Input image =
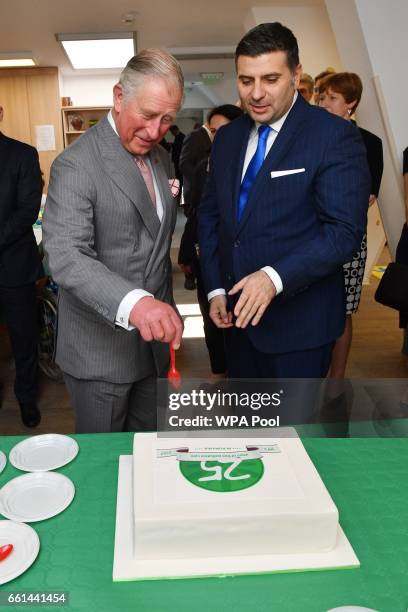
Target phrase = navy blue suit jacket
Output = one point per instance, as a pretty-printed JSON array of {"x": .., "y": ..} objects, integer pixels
[
  {"x": 20, "y": 199},
  {"x": 305, "y": 225}
]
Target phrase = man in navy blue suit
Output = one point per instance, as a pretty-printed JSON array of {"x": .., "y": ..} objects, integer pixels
[
  {"x": 20, "y": 265},
  {"x": 285, "y": 206}
]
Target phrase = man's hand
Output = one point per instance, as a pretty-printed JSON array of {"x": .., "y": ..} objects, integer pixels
[
  {"x": 257, "y": 293},
  {"x": 218, "y": 312},
  {"x": 156, "y": 320}
]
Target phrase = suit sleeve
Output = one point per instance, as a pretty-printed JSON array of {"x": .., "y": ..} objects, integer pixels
[
  {"x": 28, "y": 198},
  {"x": 69, "y": 241},
  {"x": 341, "y": 192},
  {"x": 187, "y": 252}
]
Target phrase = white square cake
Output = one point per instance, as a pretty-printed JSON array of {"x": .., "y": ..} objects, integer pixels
[{"x": 202, "y": 497}]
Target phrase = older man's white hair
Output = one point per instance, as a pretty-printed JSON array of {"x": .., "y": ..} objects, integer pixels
[{"x": 153, "y": 63}]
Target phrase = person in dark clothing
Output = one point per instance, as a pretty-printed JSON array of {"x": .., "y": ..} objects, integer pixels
[
  {"x": 214, "y": 337},
  {"x": 401, "y": 255},
  {"x": 196, "y": 147},
  {"x": 176, "y": 151},
  {"x": 20, "y": 198},
  {"x": 340, "y": 94}
]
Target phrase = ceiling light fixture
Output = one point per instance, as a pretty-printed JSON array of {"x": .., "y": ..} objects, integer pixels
[
  {"x": 129, "y": 17},
  {"x": 98, "y": 50},
  {"x": 16, "y": 59}
]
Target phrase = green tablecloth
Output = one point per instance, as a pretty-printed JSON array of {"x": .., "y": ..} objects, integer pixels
[{"x": 367, "y": 478}]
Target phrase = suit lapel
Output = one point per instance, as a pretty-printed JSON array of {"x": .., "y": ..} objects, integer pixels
[
  {"x": 162, "y": 182},
  {"x": 167, "y": 201},
  {"x": 285, "y": 140},
  {"x": 121, "y": 167}
]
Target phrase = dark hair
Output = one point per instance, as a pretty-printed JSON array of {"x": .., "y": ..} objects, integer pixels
[
  {"x": 348, "y": 84},
  {"x": 269, "y": 37},
  {"x": 229, "y": 111}
]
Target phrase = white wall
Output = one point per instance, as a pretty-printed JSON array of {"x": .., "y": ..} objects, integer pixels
[
  {"x": 96, "y": 90},
  {"x": 226, "y": 90},
  {"x": 357, "y": 25},
  {"x": 384, "y": 25},
  {"x": 89, "y": 90}
]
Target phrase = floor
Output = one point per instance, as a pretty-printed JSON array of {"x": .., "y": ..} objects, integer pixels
[{"x": 375, "y": 353}]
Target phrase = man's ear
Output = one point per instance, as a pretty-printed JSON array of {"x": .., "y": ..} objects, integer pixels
[
  {"x": 296, "y": 76},
  {"x": 117, "y": 97}
]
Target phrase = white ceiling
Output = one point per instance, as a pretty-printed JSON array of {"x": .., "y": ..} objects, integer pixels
[{"x": 31, "y": 25}]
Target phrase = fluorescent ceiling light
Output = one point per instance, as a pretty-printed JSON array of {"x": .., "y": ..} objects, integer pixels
[
  {"x": 17, "y": 59},
  {"x": 99, "y": 50}
]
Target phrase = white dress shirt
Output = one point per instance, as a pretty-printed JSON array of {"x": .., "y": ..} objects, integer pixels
[
  {"x": 131, "y": 298},
  {"x": 252, "y": 145}
]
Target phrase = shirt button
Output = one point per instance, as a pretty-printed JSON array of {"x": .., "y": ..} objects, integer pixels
[{"x": 236, "y": 243}]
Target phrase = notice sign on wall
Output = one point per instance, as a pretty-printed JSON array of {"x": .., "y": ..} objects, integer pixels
[{"x": 45, "y": 138}]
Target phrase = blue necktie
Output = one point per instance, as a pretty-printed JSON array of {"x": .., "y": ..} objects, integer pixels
[{"x": 253, "y": 168}]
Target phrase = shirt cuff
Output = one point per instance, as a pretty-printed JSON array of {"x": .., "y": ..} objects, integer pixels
[
  {"x": 275, "y": 278},
  {"x": 215, "y": 292},
  {"x": 126, "y": 305}
]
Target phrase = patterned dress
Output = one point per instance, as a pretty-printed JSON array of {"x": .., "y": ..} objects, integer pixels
[
  {"x": 353, "y": 277},
  {"x": 354, "y": 269}
]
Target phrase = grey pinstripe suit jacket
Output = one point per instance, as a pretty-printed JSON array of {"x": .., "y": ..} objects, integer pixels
[{"x": 102, "y": 239}]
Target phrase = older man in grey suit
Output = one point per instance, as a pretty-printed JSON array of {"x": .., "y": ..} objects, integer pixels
[{"x": 107, "y": 228}]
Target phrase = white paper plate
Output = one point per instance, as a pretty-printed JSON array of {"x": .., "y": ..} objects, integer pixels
[
  {"x": 26, "y": 546},
  {"x": 351, "y": 609},
  {"x": 36, "y": 497},
  {"x": 3, "y": 461},
  {"x": 43, "y": 453}
]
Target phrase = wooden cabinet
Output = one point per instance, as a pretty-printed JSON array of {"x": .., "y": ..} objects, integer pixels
[
  {"x": 30, "y": 98},
  {"x": 77, "y": 119}
]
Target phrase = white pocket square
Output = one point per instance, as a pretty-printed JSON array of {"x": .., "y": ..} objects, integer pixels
[{"x": 277, "y": 173}]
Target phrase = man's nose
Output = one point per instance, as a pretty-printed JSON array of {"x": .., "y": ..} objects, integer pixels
[
  {"x": 152, "y": 128},
  {"x": 258, "y": 91}
]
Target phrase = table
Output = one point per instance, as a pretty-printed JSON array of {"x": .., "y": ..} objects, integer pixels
[{"x": 367, "y": 478}]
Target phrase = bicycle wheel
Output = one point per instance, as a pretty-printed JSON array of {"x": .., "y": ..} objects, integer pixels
[{"x": 47, "y": 325}]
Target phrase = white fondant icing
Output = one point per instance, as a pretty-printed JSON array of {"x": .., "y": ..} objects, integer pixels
[{"x": 288, "y": 510}]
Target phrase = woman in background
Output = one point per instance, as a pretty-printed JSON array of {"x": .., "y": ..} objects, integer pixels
[
  {"x": 317, "y": 80},
  {"x": 340, "y": 94},
  {"x": 401, "y": 255}
]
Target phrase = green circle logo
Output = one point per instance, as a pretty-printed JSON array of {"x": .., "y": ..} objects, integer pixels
[{"x": 223, "y": 477}]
